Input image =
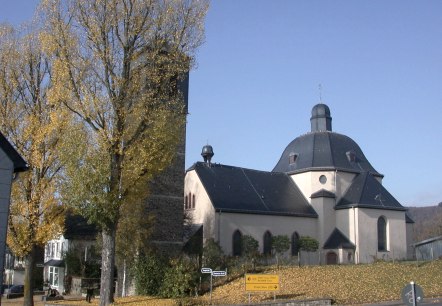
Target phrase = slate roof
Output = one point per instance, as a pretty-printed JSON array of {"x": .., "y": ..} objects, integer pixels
[
  {"x": 54, "y": 263},
  {"x": 77, "y": 226},
  {"x": 338, "y": 240},
  {"x": 19, "y": 163},
  {"x": 367, "y": 192},
  {"x": 324, "y": 150},
  {"x": 240, "y": 190},
  {"x": 408, "y": 218}
]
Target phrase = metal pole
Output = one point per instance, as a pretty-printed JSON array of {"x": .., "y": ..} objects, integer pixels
[
  {"x": 211, "y": 288},
  {"x": 413, "y": 293}
]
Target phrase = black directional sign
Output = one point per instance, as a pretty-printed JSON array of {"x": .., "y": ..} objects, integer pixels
[{"x": 412, "y": 294}]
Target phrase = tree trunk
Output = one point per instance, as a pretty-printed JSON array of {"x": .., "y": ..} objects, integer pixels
[
  {"x": 29, "y": 278},
  {"x": 107, "y": 267}
]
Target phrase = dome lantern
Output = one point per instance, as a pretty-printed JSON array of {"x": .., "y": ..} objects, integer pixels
[{"x": 321, "y": 118}]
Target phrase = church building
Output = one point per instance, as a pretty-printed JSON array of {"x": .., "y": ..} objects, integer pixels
[{"x": 323, "y": 186}]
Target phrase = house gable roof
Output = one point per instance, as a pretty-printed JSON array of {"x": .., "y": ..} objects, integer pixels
[
  {"x": 367, "y": 192},
  {"x": 19, "y": 163},
  {"x": 240, "y": 190},
  {"x": 54, "y": 263},
  {"x": 338, "y": 240},
  {"x": 77, "y": 226}
]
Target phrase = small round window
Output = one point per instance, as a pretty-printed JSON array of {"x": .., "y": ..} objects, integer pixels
[{"x": 323, "y": 179}]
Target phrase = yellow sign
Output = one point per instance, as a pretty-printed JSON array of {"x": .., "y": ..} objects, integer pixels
[
  {"x": 262, "y": 282},
  {"x": 262, "y": 287}
]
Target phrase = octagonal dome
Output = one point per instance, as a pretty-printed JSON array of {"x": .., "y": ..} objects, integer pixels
[{"x": 322, "y": 149}]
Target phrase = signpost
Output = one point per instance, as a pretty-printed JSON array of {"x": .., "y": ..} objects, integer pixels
[
  {"x": 213, "y": 273},
  {"x": 219, "y": 273},
  {"x": 412, "y": 294},
  {"x": 262, "y": 282}
]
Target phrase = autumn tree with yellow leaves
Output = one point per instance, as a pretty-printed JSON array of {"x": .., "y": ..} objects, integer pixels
[
  {"x": 36, "y": 129},
  {"x": 117, "y": 65}
]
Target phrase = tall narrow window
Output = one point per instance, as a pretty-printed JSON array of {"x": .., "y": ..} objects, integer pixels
[
  {"x": 267, "y": 243},
  {"x": 295, "y": 244},
  {"x": 186, "y": 202},
  {"x": 193, "y": 201},
  {"x": 236, "y": 241},
  {"x": 382, "y": 234}
]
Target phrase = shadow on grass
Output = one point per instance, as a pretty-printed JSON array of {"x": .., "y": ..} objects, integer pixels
[
  {"x": 134, "y": 299},
  {"x": 288, "y": 296}
]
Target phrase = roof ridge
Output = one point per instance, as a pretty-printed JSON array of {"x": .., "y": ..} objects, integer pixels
[{"x": 254, "y": 189}]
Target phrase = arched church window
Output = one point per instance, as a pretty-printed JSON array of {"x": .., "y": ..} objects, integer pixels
[
  {"x": 267, "y": 243},
  {"x": 190, "y": 201},
  {"x": 193, "y": 201},
  {"x": 236, "y": 243},
  {"x": 186, "y": 202},
  {"x": 382, "y": 234},
  {"x": 295, "y": 244}
]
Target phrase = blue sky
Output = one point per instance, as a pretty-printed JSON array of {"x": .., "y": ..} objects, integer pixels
[{"x": 379, "y": 63}]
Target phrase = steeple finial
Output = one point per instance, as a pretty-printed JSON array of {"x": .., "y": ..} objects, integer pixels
[{"x": 207, "y": 154}]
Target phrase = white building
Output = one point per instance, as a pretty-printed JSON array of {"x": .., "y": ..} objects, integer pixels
[
  {"x": 323, "y": 187},
  {"x": 79, "y": 236}
]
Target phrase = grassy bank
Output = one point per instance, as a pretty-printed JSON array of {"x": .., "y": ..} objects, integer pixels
[{"x": 351, "y": 284}]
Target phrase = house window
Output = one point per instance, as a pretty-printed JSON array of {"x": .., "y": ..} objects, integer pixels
[
  {"x": 382, "y": 234},
  {"x": 267, "y": 243},
  {"x": 193, "y": 201},
  {"x": 53, "y": 276},
  {"x": 237, "y": 241},
  {"x": 186, "y": 202},
  {"x": 295, "y": 244}
]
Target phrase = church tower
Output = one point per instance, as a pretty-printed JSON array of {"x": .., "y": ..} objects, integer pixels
[{"x": 165, "y": 202}]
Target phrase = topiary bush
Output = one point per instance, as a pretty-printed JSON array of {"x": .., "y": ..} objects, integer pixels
[
  {"x": 213, "y": 256},
  {"x": 148, "y": 273},
  {"x": 179, "y": 279}
]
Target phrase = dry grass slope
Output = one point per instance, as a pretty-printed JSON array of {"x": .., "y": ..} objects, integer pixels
[{"x": 352, "y": 284}]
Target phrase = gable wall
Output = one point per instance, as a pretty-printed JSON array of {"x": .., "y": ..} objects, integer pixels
[
  {"x": 396, "y": 234},
  {"x": 204, "y": 213},
  {"x": 324, "y": 207},
  {"x": 337, "y": 182},
  {"x": 303, "y": 181}
]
